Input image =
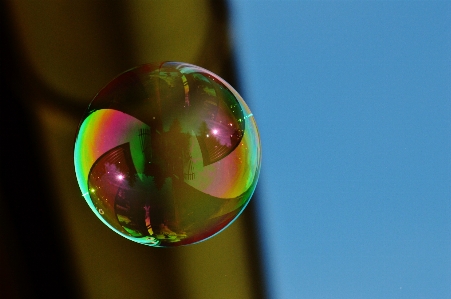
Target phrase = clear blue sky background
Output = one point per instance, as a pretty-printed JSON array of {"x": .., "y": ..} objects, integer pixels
[{"x": 353, "y": 102}]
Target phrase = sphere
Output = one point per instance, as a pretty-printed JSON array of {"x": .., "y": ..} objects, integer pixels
[{"x": 167, "y": 154}]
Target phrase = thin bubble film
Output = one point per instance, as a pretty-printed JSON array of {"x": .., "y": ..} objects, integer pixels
[{"x": 167, "y": 154}]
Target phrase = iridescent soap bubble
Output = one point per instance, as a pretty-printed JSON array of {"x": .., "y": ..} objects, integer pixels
[{"x": 167, "y": 154}]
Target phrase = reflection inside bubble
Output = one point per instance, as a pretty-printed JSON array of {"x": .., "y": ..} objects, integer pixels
[{"x": 167, "y": 154}]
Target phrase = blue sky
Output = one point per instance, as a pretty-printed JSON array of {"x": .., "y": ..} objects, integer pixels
[{"x": 353, "y": 103}]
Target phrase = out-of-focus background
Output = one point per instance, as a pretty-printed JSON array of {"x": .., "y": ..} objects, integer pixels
[
  {"x": 56, "y": 55},
  {"x": 353, "y": 102}
]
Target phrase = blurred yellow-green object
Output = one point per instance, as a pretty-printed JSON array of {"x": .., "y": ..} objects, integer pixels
[{"x": 62, "y": 53}]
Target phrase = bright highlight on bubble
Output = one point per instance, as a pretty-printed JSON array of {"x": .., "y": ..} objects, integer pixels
[{"x": 167, "y": 154}]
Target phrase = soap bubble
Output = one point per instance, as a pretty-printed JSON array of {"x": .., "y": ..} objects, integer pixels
[{"x": 167, "y": 154}]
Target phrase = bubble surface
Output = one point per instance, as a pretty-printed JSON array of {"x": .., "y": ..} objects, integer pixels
[{"x": 167, "y": 154}]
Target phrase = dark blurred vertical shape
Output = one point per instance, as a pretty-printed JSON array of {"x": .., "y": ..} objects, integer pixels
[
  {"x": 58, "y": 248},
  {"x": 35, "y": 255},
  {"x": 229, "y": 72}
]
